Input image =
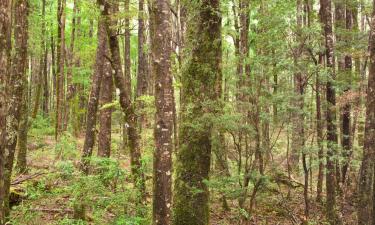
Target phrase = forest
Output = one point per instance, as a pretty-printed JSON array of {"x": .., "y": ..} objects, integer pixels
[{"x": 187, "y": 112}]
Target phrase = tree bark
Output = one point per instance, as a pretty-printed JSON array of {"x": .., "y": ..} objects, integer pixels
[
  {"x": 60, "y": 76},
  {"x": 339, "y": 29},
  {"x": 21, "y": 166},
  {"x": 125, "y": 101},
  {"x": 70, "y": 61},
  {"x": 45, "y": 62},
  {"x": 346, "y": 110},
  {"x": 319, "y": 132},
  {"x": 365, "y": 207},
  {"x": 199, "y": 81},
  {"x": 94, "y": 96},
  {"x": 298, "y": 119},
  {"x": 161, "y": 71},
  {"x": 143, "y": 72},
  {"x": 127, "y": 65},
  {"x": 15, "y": 84},
  {"x": 105, "y": 114},
  {"x": 5, "y": 49},
  {"x": 326, "y": 16}
]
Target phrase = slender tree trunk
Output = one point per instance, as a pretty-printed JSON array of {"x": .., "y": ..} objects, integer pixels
[
  {"x": 202, "y": 73},
  {"x": 345, "y": 121},
  {"x": 365, "y": 205},
  {"x": 94, "y": 96},
  {"x": 127, "y": 65},
  {"x": 54, "y": 72},
  {"x": 5, "y": 49},
  {"x": 38, "y": 91},
  {"x": 161, "y": 71},
  {"x": 15, "y": 85},
  {"x": 45, "y": 62},
  {"x": 326, "y": 15},
  {"x": 298, "y": 119},
  {"x": 69, "y": 76},
  {"x": 142, "y": 75},
  {"x": 60, "y": 76},
  {"x": 346, "y": 110},
  {"x": 319, "y": 133}
]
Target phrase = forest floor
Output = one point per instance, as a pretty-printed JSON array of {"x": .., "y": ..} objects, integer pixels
[{"x": 53, "y": 192}]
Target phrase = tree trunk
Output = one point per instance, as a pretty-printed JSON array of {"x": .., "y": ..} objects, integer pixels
[
  {"x": 142, "y": 75},
  {"x": 69, "y": 76},
  {"x": 319, "y": 133},
  {"x": 161, "y": 71},
  {"x": 365, "y": 207},
  {"x": 127, "y": 65},
  {"x": 94, "y": 96},
  {"x": 5, "y": 50},
  {"x": 60, "y": 76},
  {"x": 339, "y": 29},
  {"x": 346, "y": 110},
  {"x": 125, "y": 101},
  {"x": 45, "y": 62},
  {"x": 199, "y": 81},
  {"x": 15, "y": 85},
  {"x": 298, "y": 119},
  {"x": 326, "y": 16},
  {"x": 105, "y": 114},
  {"x": 22, "y": 136}
]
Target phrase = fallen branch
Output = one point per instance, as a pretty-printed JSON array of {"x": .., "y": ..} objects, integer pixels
[
  {"x": 25, "y": 178},
  {"x": 53, "y": 210}
]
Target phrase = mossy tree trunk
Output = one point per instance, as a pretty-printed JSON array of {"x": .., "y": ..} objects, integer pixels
[{"x": 200, "y": 78}]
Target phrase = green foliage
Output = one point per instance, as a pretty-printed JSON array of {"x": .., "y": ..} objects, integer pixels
[
  {"x": 40, "y": 127},
  {"x": 66, "y": 147}
]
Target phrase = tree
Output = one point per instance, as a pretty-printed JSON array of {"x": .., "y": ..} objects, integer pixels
[
  {"x": 5, "y": 49},
  {"x": 94, "y": 96},
  {"x": 161, "y": 70},
  {"x": 199, "y": 80},
  {"x": 60, "y": 68},
  {"x": 365, "y": 202},
  {"x": 125, "y": 100},
  {"x": 22, "y": 136},
  {"x": 143, "y": 70},
  {"x": 346, "y": 111},
  {"x": 15, "y": 84},
  {"x": 105, "y": 113},
  {"x": 326, "y": 17}
]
